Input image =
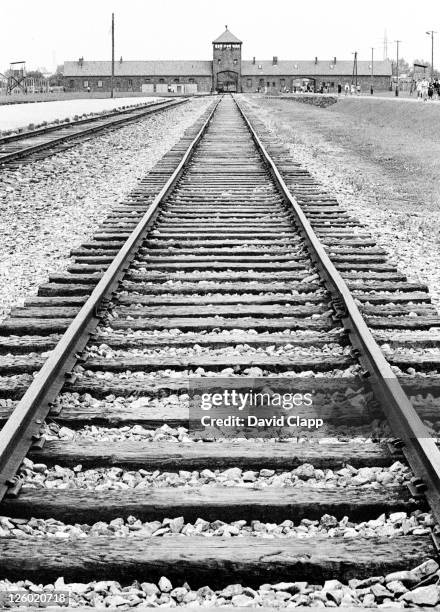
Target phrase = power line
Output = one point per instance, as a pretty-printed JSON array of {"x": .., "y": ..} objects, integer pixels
[
  {"x": 397, "y": 66},
  {"x": 112, "y": 83},
  {"x": 431, "y": 34}
]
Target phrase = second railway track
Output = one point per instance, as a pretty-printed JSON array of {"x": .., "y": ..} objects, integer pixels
[
  {"x": 51, "y": 139},
  {"x": 221, "y": 275}
]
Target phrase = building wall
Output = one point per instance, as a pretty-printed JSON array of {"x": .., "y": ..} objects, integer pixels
[
  {"x": 279, "y": 83},
  {"x": 204, "y": 83}
]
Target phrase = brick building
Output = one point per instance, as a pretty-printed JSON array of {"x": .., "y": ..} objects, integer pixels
[{"x": 225, "y": 72}]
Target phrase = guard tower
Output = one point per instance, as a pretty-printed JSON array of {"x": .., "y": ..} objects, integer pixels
[
  {"x": 226, "y": 65},
  {"x": 17, "y": 78}
]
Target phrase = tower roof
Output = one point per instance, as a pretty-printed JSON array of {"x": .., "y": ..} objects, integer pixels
[{"x": 226, "y": 37}]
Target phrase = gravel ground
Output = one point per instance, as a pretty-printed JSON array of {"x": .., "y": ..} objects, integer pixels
[
  {"x": 397, "y": 523},
  {"x": 252, "y": 372},
  {"x": 39, "y": 475},
  {"x": 370, "y": 431},
  {"x": 406, "y": 234},
  {"x": 50, "y": 206},
  {"x": 286, "y": 350},
  {"x": 399, "y": 589},
  {"x": 221, "y": 334},
  {"x": 21, "y": 115}
]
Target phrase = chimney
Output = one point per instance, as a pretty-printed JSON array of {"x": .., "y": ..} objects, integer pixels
[
  {"x": 274, "y": 60},
  {"x": 253, "y": 60},
  {"x": 316, "y": 59},
  {"x": 120, "y": 60},
  {"x": 80, "y": 61},
  {"x": 334, "y": 60}
]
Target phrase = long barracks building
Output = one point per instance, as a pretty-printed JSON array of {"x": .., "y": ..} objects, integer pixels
[{"x": 225, "y": 72}]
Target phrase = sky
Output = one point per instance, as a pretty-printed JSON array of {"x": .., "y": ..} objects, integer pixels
[{"x": 45, "y": 33}]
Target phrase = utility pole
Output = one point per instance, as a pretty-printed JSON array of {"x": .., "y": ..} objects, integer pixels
[
  {"x": 372, "y": 71},
  {"x": 354, "y": 77},
  {"x": 397, "y": 66},
  {"x": 431, "y": 34},
  {"x": 112, "y": 82}
]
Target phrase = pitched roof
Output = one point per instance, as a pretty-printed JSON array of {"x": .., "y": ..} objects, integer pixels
[
  {"x": 309, "y": 68},
  {"x": 139, "y": 68},
  {"x": 226, "y": 37},
  {"x": 204, "y": 68}
]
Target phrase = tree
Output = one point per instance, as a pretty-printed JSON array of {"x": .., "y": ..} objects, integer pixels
[
  {"x": 57, "y": 77},
  {"x": 34, "y": 74},
  {"x": 404, "y": 66}
]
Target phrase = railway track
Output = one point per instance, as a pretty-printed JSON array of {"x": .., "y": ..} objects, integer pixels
[
  {"x": 54, "y": 138},
  {"x": 227, "y": 261}
]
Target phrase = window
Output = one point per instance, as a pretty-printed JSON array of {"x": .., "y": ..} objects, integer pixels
[
  {"x": 260, "y": 66},
  {"x": 191, "y": 81},
  {"x": 282, "y": 82},
  {"x": 249, "y": 83},
  {"x": 130, "y": 82},
  {"x": 273, "y": 83},
  {"x": 99, "y": 83},
  {"x": 176, "y": 80},
  {"x": 85, "y": 84},
  {"x": 161, "y": 80},
  {"x": 71, "y": 83},
  {"x": 219, "y": 60}
]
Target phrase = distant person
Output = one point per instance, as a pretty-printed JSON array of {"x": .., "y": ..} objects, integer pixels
[
  {"x": 425, "y": 86},
  {"x": 339, "y": 89},
  {"x": 358, "y": 90},
  {"x": 347, "y": 89},
  {"x": 352, "y": 89},
  {"x": 88, "y": 89},
  {"x": 430, "y": 91}
]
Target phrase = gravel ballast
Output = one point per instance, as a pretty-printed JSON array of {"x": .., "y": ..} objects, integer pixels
[
  {"x": 50, "y": 206},
  {"x": 39, "y": 475},
  {"x": 397, "y": 523},
  {"x": 404, "y": 589}
]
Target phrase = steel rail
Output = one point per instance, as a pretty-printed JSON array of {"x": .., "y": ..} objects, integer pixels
[
  {"x": 22, "y": 428},
  {"x": 25, "y": 151},
  {"x": 59, "y": 126},
  {"x": 417, "y": 445}
]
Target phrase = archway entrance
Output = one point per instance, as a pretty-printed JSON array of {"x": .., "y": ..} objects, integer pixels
[{"x": 227, "y": 80}]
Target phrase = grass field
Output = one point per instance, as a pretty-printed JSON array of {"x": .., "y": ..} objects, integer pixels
[
  {"x": 382, "y": 161},
  {"x": 393, "y": 146}
]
